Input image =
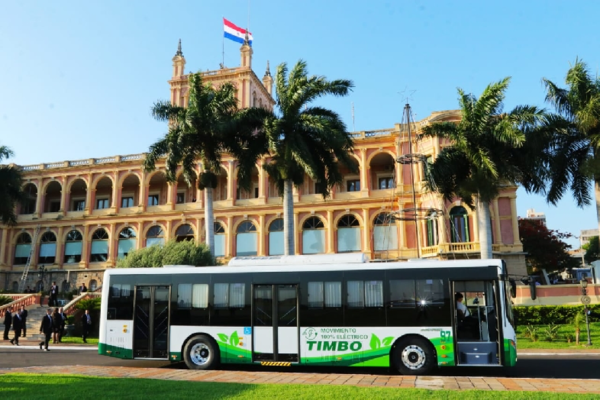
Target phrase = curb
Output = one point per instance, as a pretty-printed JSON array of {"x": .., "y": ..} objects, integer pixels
[{"x": 52, "y": 348}]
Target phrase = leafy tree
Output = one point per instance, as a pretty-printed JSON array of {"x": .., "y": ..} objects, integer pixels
[
  {"x": 92, "y": 304},
  {"x": 210, "y": 125},
  {"x": 592, "y": 250},
  {"x": 571, "y": 154},
  {"x": 11, "y": 188},
  {"x": 172, "y": 253},
  {"x": 485, "y": 153},
  {"x": 545, "y": 247},
  {"x": 304, "y": 139}
]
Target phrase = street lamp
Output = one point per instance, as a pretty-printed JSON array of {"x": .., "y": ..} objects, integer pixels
[{"x": 586, "y": 300}]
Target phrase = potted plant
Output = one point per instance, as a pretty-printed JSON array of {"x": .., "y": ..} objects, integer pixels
[{"x": 70, "y": 325}]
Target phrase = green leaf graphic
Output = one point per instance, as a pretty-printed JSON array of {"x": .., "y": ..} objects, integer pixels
[
  {"x": 388, "y": 341},
  {"x": 223, "y": 337},
  {"x": 375, "y": 342},
  {"x": 234, "y": 340}
]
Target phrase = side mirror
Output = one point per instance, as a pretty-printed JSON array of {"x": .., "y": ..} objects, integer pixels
[{"x": 513, "y": 288}]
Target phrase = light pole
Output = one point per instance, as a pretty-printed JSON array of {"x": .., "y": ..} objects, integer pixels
[
  {"x": 41, "y": 272},
  {"x": 585, "y": 299}
]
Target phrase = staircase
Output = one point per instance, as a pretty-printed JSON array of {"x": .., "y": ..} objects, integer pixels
[{"x": 35, "y": 313}]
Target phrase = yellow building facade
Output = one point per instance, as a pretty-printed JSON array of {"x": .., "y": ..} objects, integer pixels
[{"x": 82, "y": 216}]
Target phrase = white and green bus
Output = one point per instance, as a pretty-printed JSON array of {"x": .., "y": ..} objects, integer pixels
[{"x": 336, "y": 310}]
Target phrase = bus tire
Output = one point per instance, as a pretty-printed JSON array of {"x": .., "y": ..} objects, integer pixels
[
  {"x": 414, "y": 356},
  {"x": 201, "y": 352}
]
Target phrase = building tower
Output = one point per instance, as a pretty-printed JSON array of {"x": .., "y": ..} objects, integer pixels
[{"x": 268, "y": 80}]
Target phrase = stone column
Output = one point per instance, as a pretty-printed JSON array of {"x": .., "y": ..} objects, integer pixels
[
  {"x": 39, "y": 201},
  {"x": 513, "y": 219},
  {"x": 60, "y": 247},
  {"x": 230, "y": 237},
  {"x": 496, "y": 227},
  {"x": 330, "y": 236},
  {"x": 261, "y": 235},
  {"x": 366, "y": 233}
]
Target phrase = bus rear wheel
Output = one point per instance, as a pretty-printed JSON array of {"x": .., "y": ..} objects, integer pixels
[
  {"x": 201, "y": 352},
  {"x": 414, "y": 356}
]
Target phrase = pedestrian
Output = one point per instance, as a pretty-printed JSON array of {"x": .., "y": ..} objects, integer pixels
[
  {"x": 7, "y": 322},
  {"x": 46, "y": 328},
  {"x": 17, "y": 325},
  {"x": 53, "y": 302},
  {"x": 82, "y": 288},
  {"x": 63, "y": 322},
  {"x": 56, "y": 325},
  {"x": 86, "y": 325},
  {"x": 24, "y": 314},
  {"x": 28, "y": 290}
]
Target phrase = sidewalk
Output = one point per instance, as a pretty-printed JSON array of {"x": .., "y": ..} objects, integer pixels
[{"x": 260, "y": 377}]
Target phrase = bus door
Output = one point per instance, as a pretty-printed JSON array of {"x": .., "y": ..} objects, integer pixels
[
  {"x": 275, "y": 323},
  {"x": 477, "y": 331},
  {"x": 151, "y": 322}
]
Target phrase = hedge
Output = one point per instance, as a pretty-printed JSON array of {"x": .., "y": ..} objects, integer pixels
[{"x": 544, "y": 315}]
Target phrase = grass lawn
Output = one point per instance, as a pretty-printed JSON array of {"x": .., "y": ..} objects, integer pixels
[
  {"x": 523, "y": 342},
  {"x": 79, "y": 340},
  {"x": 36, "y": 386}
]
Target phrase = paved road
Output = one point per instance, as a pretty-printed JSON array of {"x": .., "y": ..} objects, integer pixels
[{"x": 582, "y": 366}]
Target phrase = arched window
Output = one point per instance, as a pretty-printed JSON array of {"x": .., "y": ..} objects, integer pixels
[
  {"x": 154, "y": 236},
  {"x": 22, "y": 249},
  {"x": 385, "y": 233},
  {"x": 126, "y": 242},
  {"x": 219, "y": 240},
  {"x": 47, "y": 248},
  {"x": 99, "y": 251},
  {"x": 93, "y": 285},
  {"x": 313, "y": 236},
  {"x": 348, "y": 234},
  {"x": 432, "y": 229},
  {"x": 73, "y": 247},
  {"x": 65, "y": 287},
  {"x": 459, "y": 225},
  {"x": 276, "y": 237},
  {"x": 184, "y": 232},
  {"x": 246, "y": 244},
  {"x": 15, "y": 287}
]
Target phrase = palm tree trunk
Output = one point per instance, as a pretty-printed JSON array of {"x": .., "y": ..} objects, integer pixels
[
  {"x": 597, "y": 195},
  {"x": 209, "y": 220},
  {"x": 288, "y": 218},
  {"x": 485, "y": 228}
]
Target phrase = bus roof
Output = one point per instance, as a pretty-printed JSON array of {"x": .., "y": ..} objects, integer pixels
[{"x": 309, "y": 267}]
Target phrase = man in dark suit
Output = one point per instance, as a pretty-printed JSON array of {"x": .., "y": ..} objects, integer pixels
[
  {"x": 63, "y": 322},
  {"x": 53, "y": 295},
  {"x": 86, "y": 325},
  {"x": 24, "y": 314},
  {"x": 17, "y": 325},
  {"x": 46, "y": 328},
  {"x": 7, "y": 322}
]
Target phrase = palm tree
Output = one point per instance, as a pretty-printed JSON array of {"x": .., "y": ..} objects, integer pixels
[
  {"x": 483, "y": 155},
  {"x": 210, "y": 125},
  {"x": 304, "y": 139},
  {"x": 11, "y": 188},
  {"x": 573, "y": 137}
]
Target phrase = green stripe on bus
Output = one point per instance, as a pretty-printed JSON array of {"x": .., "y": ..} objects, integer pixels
[{"x": 114, "y": 351}]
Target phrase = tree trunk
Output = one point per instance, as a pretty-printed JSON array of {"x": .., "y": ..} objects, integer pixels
[
  {"x": 485, "y": 228},
  {"x": 577, "y": 333},
  {"x": 597, "y": 195},
  {"x": 209, "y": 220},
  {"x": 288, "y": 218}
]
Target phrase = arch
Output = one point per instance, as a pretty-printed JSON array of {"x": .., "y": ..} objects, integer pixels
[
  {"x": 459, "y": 225},
  {"x": 348, "y": 234},
  {"x": 130, "y": 187},
  {"x": 220, "y": 239},
  {"x": 246, "y": 239},
  {"x": 158, "y": 189},
  {"x": 77, "y": 195},
  {"x": 126, "y": 175},
  {"x": 313, "y": 235},
  {"x": 152, "y": 174},
  {"x": 374, "y": 154},
  {"x": 355, "y": 215},
  {"x": 155, "y": 235},
  {"x": 47, "y": 252},
  {"x": 220, "y": 192},
  {"x": 70, "y": 183},
  {"x": 73, "y": 245},
  {"x": 382, "y": 170},
  {"x": 254, "y": 184},
  {"x": 15, "y": 287},
  {"x": 100, "y": 245},
  {"x": 52, "y": 197},
  {"x": 104, "y": 188},
  {"x": 185, "y": 193},
  {"x": 432, "y": 229},
  {"x": 22, "y": 248},
  {"x": 127, "y": 241},
  {"x": 93, "y": 285},
  {"x": 352, "y": 181},
  {"x": 31, "y": 194},
  {"x": 385, "y": 233},
  {"x": 185, "y": 232},
  {"x": 100, "y": 177}
]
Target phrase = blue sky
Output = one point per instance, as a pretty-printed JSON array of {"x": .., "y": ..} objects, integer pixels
[{"x": 78, "y": 79}]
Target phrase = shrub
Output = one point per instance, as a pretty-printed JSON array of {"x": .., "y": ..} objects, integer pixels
[
  {"x": 551, "y": 332},
  {"x": 543, "y": 315},
  {"x": 172, "y": 253},
  {"x": 531, "y": 333},
  {"x": 89, "y": 304},
  {"x": 5, "y": 300}
]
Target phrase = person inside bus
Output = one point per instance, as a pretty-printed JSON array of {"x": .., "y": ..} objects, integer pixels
[{"x": 467, "y": 326}]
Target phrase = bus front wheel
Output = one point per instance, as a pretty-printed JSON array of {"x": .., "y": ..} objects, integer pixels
[
  {"x": 414, "y": 356},
  {"x": 201, "y": 352}
]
